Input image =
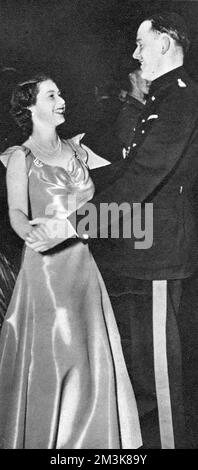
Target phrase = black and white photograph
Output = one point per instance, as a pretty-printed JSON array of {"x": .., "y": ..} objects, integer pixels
[{"x": 99, "y": 229}]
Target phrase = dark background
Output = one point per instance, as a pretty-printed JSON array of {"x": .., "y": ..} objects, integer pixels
[{"x": 81, "y": 42}]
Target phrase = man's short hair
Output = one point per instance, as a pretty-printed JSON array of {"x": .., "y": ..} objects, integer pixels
[{"x": 172, "y": 24}]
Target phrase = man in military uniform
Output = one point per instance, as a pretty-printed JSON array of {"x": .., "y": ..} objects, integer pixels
[
  {"x": 131, "y": 109},
  {"x": 146, "y": 285}
]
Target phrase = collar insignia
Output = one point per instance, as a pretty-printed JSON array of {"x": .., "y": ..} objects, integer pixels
[{"x": 181, "y": 83}]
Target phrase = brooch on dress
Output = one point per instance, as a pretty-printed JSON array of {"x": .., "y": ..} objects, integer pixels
[{"x": 37, "y": 162}]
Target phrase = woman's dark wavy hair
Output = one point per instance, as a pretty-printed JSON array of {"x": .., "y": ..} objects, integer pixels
[
  {"x": 172, "y": 24},
  {"x": 24, "y": 96}
]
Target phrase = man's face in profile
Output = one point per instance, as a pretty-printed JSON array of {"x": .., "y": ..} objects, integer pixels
[{"x": 148, "y": 51}]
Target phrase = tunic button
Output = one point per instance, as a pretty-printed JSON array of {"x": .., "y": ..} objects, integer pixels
[
  {"x": 153, "y": 98},
  {"x": 143, "y": 120},
  {"x": 143, "y": 132}
]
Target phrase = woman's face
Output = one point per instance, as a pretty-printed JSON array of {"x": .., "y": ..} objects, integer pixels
[{"x": 50, "y": 106}]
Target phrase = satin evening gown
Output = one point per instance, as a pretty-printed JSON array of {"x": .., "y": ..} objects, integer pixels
[{"x": 63, "y": 379}]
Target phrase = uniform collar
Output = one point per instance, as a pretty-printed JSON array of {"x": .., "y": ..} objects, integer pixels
[
  {"x": 131, "y": 100},
  {"x": 167, "y": 79}
]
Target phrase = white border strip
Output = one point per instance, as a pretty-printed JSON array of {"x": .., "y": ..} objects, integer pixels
[{"x": 160, "y": 364}]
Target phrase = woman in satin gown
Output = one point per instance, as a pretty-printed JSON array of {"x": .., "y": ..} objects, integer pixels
[
  {"x": 63, "y": 380},
  {"x": 10, "y": 251}
]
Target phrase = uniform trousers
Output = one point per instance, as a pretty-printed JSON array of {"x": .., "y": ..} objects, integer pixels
[{"x": 160, "y": 345}]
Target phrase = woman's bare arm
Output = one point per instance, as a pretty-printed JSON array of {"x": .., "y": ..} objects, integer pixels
[{"x": 17, "y": 187}]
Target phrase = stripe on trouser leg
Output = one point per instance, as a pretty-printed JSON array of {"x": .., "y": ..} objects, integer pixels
[{"x": 161, "y": 365}]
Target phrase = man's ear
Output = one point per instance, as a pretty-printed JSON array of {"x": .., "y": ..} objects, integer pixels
[
  {"x": 31, "y": 109},
  {"x": 165, "y": 43},
  {"x": 132, "y": 79}
]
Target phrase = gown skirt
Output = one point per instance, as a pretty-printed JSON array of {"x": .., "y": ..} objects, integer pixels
[{"x": 63, "y": 379}]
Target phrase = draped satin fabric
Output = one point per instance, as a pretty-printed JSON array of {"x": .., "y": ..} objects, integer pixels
[
  {"x": 7, "y": 281},
  {"x": 63, "y": 380}
]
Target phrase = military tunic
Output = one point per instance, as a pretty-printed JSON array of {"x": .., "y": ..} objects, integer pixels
[{"x": 146, "y": 285}]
